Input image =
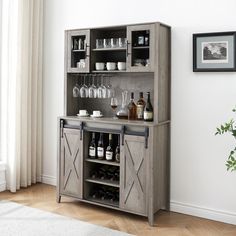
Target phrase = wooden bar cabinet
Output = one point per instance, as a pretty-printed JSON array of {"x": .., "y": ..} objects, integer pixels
[{"x": 143, "y": 184}]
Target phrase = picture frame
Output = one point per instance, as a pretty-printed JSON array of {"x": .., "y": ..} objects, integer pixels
[{"x": 214, "y": 52}]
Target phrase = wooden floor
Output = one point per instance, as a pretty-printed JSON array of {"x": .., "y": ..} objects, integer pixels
[{"x": 43, "y": 197}]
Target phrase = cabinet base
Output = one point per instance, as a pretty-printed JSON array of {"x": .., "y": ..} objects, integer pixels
[{"x": 113, "y": 207}]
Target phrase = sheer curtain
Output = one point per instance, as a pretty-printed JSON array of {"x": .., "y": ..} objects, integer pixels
[{"x": 21, "y": 91}]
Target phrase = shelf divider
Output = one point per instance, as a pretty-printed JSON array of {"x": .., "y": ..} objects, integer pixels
[
  {"x": 111, "y": 183},
  {"x": 108, "y": 49},
  {"x": 112, "y": 163},
  {"x": 103, "y": 202}
]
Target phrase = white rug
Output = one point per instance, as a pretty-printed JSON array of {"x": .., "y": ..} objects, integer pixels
[{"x": 19, "y": 220}]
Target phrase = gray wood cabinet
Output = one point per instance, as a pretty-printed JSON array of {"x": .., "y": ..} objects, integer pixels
[
  {"x": 144, "y": 171},
  {"x": 143, "y": 183},
  {"x": 133, "y": 177},
  {"x": 138, "y": 58},
  {"x": 71, "y": 163}
]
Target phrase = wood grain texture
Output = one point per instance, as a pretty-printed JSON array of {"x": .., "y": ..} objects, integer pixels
[
  {"x": 71, "y": 172},
  {"x": 42, "y": 197},
  {"x": 133, "y": 174},
  {"x": 161, "y": 160},
  {"x": 164, "y": 74}
]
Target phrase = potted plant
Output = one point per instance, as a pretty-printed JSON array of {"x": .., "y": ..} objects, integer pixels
[{"x": 229, "y": 127}]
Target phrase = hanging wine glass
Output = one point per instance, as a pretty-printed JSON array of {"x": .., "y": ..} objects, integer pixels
[
  {"x": 83, "y": 89},
  {"x": 92, "y": 90},
  {"x": 100, "y": 89},
  {"x": 104, "y": 89},
  {"x": 86, "y": 77},
  {"x": 75, "y": 90},
  {"x": 110, "y": 90}
]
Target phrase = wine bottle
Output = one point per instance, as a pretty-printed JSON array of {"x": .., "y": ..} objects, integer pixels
[
  {"x": 140, "y": 106},
  {"x": 117, "y": 152},
  {"x": 148, "y": 110},
  {"x": 94, "y": 174},
  {"x": 100, "y": 148},
  {"x": 92, "y": 147},
  {"x": 109, "y": 150},
  {"x": 132, "y": 108},
  {"x": 112, "y": 173}
]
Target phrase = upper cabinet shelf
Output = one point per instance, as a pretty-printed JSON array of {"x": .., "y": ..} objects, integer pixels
[
  {"x": 141, "y": 47},
  {"x": 108, "y": 49},
  {"x": 133, "y": 45}
]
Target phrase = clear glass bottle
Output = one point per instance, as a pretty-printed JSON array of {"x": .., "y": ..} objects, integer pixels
[{"x": 123, "y": 112}]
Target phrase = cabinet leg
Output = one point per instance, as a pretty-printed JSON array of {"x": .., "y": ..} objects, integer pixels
[
  {"x": 151, "y": 219},
  {"x": 58, "y": 198}
]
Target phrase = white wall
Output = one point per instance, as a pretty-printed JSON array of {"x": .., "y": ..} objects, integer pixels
[{"x": 200, "y": 184}]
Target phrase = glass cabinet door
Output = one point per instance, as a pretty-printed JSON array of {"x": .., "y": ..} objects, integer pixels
[
  {"x": 78, "y": 48},
  {"x": 140, "y": 50}
]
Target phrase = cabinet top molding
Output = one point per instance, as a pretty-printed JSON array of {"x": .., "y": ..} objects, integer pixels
[{"x": 119, "y": 26}]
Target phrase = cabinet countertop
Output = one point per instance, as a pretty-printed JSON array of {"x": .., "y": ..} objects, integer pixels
[{"x": 109, "y": 120}]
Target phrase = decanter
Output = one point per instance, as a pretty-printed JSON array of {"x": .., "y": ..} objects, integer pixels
[{"x": 123, "y": 112}]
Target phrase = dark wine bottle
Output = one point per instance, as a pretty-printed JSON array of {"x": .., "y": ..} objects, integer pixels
[
  {"x": 140, "y": 106},
  {"x": 94, "y": 174},
  {"x": 92, "y": 147},
  {"x": 100, "y": 148},
  {"x": 148, "y": 110},
  {"x": 109, "y": 150},
  {"x": 132, "y": 108},
  {"x": 111, "y": 173},
  {"x": 102, "y": 172},
  {"x": 117, "y": 152}
]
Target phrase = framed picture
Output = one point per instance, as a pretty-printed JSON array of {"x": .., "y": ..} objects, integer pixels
[{"x": 214, "y": 52}]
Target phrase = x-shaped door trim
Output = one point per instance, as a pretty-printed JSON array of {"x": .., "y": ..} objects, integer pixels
[
  {"x": 135, "y": 180},
  {"x": 71, "y": 158}
]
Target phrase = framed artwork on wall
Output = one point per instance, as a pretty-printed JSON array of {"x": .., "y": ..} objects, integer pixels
[{"x": 214, "y": 52}]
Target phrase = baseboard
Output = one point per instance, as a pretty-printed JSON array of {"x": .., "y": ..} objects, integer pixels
[
  {"x": 212, "y": 214},
  {"x": 47, "y": 179},
  {"x": 2, "y": 186},
  {"x": 188, "y": 209}
]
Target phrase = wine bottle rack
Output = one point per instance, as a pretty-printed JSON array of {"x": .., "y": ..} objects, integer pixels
[{"x": 101, "y": 173}]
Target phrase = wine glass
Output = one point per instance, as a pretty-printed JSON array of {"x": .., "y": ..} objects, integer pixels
[
  {"x": 92, "y": 89},
  {"x": 100, "y": 90},
  {"x": 76, "y": 91},
  {"x": 110, "y": 90},
  {"x": 104, "y": 89},
  {"x": 84, "y": 89},
  {"x": 114, "y": 104}
]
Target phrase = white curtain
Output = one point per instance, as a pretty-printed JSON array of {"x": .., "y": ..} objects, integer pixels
[{"x": 21, "y": 91}]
